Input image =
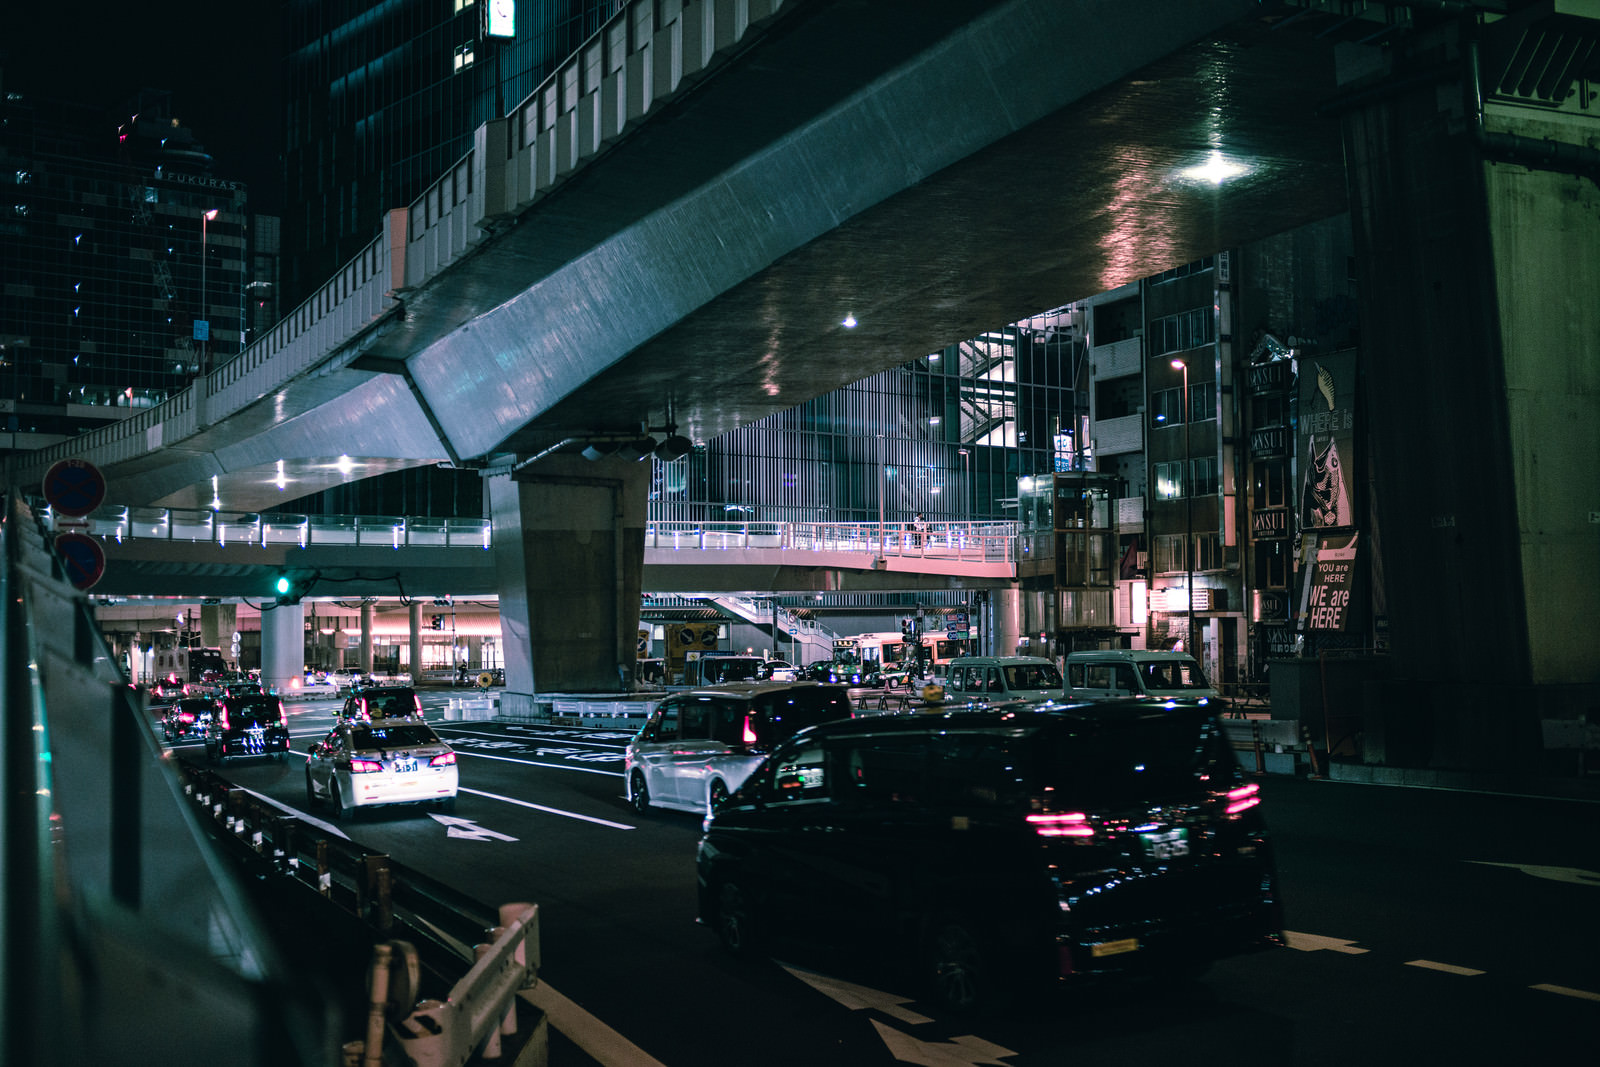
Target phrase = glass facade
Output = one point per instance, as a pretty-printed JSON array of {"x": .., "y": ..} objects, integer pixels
[
  {"x": 122, "y": 263},
  {"x": 381, "y": 99}
]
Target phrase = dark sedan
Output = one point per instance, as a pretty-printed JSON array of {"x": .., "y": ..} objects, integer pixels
[{"x": 249, "y": 725}]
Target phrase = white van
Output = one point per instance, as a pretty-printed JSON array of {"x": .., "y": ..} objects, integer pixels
[
  {"x": 1109, "y": 674},
  {"x": 995, "y": 678}
]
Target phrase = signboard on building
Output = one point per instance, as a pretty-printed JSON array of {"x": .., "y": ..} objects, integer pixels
[
  {"x": 1329, "y": 584},
  {"x": 1269, "y": 524},
  {"x": 1269, "y": 441},
  {"x": 1327, "y": 442},
  {"x": 1270, "y": 377}
]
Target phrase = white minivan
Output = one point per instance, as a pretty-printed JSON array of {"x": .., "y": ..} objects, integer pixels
[
  {"x": 1110, "y": 674},
  {"x": 990, "y": 679},
  {"x": 699, "y": 746}
]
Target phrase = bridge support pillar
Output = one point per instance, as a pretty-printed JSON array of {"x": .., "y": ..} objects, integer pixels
[
  {"x": 1007, "y": 620},
  {"x": 367, "y": 611},
  {"x": 414, "y": 635},
  {"x": 283, "y": 645},
  {"x": 569, "y": 552},
  {"x": 217, "y": 625},
  {"x": 1475, "y": 217}
]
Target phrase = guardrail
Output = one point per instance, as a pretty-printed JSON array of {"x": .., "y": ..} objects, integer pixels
[
  {"x": 107, "y": 876},
  {"x": 444, "y": 970}
]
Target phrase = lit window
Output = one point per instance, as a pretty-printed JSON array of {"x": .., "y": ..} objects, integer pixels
[{"x": 464, "y": 56}]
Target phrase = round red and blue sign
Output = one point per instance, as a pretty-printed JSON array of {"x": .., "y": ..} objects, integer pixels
[
  {"x": 74, "y": 487},
  {"x": 82, "y": 559}
]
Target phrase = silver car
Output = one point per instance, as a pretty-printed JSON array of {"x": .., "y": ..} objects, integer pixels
[
  {"x": 387, "y": 761},
  {"x": 699, "y": 746}
]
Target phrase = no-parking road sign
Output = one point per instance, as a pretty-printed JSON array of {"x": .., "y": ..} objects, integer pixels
[
  {"x": 74, "y": 487},
  {"x": 82, "y": 558}
]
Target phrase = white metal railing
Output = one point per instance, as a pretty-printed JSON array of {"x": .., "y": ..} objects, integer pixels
[
  {"x": 973, "y": 542},
  {"x": 246, "y": 528},
  {"x": 988, "y": 542}
]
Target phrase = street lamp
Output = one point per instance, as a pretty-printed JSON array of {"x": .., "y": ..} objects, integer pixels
[
  {"x": 205, "y": 316},
  {"x": 1187, "y": 481}
]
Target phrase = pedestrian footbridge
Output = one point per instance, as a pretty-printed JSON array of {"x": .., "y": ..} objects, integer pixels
[{"x": 205, "y": 553}]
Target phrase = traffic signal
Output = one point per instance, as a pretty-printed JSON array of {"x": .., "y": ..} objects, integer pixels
[
  {"x": 286, "y": 589},
  {"x": 436, "y": 622}
]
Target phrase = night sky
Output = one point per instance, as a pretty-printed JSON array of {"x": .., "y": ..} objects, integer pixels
[{"x": 218, "y": 57}]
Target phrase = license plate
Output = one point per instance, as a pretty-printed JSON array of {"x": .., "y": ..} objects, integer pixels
[
  {"x": 1115, "y": 948},
  {"x": 1166, "y": 844},
  {"x": 405, "y": 766}
]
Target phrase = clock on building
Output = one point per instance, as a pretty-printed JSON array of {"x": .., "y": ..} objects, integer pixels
[{"x": 502, "y": 18}]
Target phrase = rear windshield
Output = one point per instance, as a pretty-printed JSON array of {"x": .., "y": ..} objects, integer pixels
[
  {"x": 1129, "y": 756},
  {"x": 781, "y": 715},
  {"x": 394, "y": 704},
  {"x": 1092, "y": 764},
  {"x": 253, "y": 710},
  {"x": 715, "y": 671},
  {"x": 407, "y": 735}
]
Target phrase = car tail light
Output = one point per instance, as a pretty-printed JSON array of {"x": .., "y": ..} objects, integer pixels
[
  {"x": 222, "y": 718},
  {"x": 364, "y": 766},
  {"x": 1062, "y": 824},
  {"x": 750, "y": 737},
  {"x": 1243, "y": 798},
  {"x": 443, "y": 759},
  {"x": 418, "y": 701}
]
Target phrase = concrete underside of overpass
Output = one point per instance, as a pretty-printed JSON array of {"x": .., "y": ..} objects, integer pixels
[{"x": 933, "y": 169}]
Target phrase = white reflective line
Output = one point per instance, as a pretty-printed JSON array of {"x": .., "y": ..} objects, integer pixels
[
  {"x": 603, "y": 1044},
  {"x": 611, "y": 747},
  {"x": 552, "y": 811},
  {"x": 535, "y": 763},
  {"x": 1566, "y": 991},
  {"x": 1316, "y": 943},
  {"x": 1447, "y": 968},
  {"x": 297, "y": 813}
]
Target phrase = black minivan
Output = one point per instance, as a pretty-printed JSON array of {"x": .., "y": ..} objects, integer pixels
[{"x": 1064, "y": 843}]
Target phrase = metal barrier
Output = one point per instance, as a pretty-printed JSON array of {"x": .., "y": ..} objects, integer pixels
[
  {"x": 112, "y": 909},
  {"x": 445, "y": 970}
]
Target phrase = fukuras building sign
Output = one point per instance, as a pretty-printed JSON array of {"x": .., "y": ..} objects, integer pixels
[{"x": 1329, "y": 583}]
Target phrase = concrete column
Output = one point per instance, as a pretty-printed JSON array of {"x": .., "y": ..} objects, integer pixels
[
  {"x": 1007, "y": 620},
  {"x": 415, "y": 636},
  {"x": 283, "y": 641},
  {"x": 1476, "y": 218},
  {"x": 367, "y": 609},
  {"x": 569, "y": 549},
  {"x": 217, "y": 625}
]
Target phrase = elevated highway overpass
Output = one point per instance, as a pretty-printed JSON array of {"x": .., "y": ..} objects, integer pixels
[
  {"x": 699, "y": 222},
  {"x": 671, "y": 232}
]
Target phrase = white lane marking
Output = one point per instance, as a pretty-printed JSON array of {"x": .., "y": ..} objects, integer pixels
[
  {"x": 466, "y": 828},
  {"x": 965, "y": 1051},
  {"x": 1316, "y": 943},
  {"x": 603, "y": 1044},
  {"x": 1566, "y": 991},
  {"x": 301, "y": 815},
  {"x": 551, "y": 811},
  {"x": 1447, "y": 968},
  {"x": 858, "y": 997},
  {"x": 1575, "y": 875},
  {"x": 525, "y": 741},
  {"x": 536, "y": 763}
]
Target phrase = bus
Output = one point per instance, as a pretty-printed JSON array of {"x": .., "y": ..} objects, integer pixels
[
  {"x": 187, "y": 664},
  {"x": 887, "y": 650}
]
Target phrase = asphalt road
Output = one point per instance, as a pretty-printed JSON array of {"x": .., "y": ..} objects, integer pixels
[{"x": 1425, "y": 927}]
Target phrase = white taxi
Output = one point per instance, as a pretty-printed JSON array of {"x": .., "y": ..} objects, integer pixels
[{"x": 386, "y": 761}]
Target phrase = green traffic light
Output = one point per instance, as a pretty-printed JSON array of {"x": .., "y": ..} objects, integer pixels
[{"x": 283, "y": 584}]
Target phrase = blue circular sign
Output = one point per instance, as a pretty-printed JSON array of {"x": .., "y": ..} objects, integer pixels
[
  {"x": 74, "y": 487},
  {"x": 82, "y": 559}
]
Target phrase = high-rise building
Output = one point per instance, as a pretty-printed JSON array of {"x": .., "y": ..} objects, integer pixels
[{"x": 122, "y": 263}]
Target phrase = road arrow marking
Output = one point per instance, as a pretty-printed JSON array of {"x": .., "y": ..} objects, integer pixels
[
  {"x": 1573, "y": 875},
  {"x": 858, "y": 997},
  {"x": 967, "y": 1051},
  {"x": 1317, "y": 943},
  {"x": 458, "y": 827}
]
